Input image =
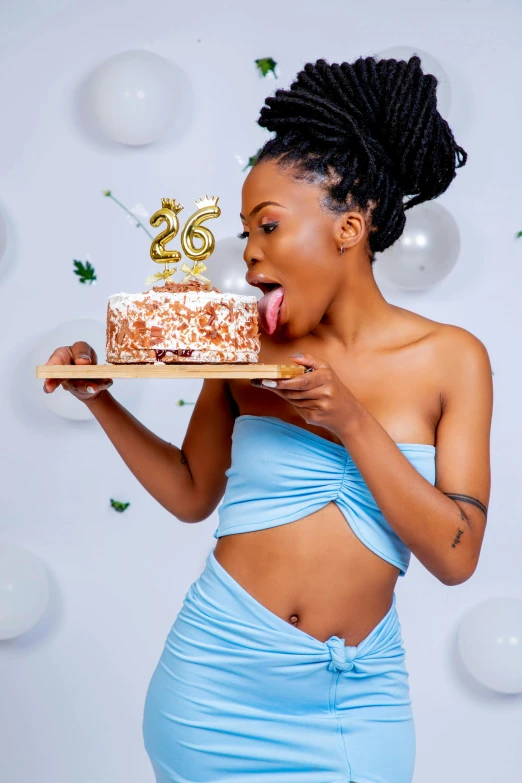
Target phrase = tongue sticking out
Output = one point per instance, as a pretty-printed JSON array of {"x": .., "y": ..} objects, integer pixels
[{"x": 268, "y": 308}]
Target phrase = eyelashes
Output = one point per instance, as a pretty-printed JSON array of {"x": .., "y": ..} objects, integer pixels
[{"x": 271, "y": 226}]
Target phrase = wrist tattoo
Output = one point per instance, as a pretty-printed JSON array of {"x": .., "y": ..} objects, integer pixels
[{"x": 468, "y": 499}]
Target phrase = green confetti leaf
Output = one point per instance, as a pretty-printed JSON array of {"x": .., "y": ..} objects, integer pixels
[
  {"x": 519, "y": 234},
  {"x": 118, "y": 506},
  {"x": 266, "y": 65},
  {"x": 184, "y": 402},
  {"x": 86, "y": 273},
  {"x": 252, "y": 159}
]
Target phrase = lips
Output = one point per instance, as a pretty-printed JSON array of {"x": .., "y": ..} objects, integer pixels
[{"x": 269, "y": 308}]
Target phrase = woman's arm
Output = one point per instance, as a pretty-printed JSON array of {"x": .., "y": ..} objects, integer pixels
[
  {"x": 442, "y": 525},
  {"x": 188, "y": 481},
  {"x": 160, "y": 467}
]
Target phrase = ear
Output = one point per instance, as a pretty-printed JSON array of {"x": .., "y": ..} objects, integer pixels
[{"x": 350, "y": 229}]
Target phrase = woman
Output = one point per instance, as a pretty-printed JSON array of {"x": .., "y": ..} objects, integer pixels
[{"x": 286, "y": 661}]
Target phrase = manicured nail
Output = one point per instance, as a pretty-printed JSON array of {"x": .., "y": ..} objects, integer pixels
[
  {"x": 272, "y": 384},
  {"x": 91, "y": 389},
  {"x": 84, "y": 356},
  {"x": 297, "y": 355}
]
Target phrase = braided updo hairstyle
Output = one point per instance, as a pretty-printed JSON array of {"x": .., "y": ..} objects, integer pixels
[{"x": 369, "y": 131}]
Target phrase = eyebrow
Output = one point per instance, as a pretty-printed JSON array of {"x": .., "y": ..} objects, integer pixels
[{"x": 260, "y": 206}]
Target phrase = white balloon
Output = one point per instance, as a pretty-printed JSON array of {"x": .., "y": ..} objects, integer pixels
[
  {"x": 426, "y": 251},
  {"x": 429, "y": 64},
  {"x": 490, "y": 643},
  {"x": 226, "y": 268},
  {"x": 133, "y": 96},
  {"x": 24, "y": 590},
  {"x": 62, "y": 402}
]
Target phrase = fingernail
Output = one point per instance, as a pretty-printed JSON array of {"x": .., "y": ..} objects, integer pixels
[
  {"x": 91, "y": 389},
  {"x": 45, "y": 390},
  {"x": 297, "y": 355},
  {"x": 84, "y": 356},
  {"x": 272, "y": 384}
]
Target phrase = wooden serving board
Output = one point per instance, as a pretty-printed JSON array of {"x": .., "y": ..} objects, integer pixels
[{"x": 150, "y": 370}]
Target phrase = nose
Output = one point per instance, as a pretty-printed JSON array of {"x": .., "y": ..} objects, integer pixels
[
  {"x": 252, "y": 253},
  {"x": 249, "y": 259}
]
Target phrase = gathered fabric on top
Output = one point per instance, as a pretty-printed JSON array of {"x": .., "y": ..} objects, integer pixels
[{"x": 281, "y": 472}]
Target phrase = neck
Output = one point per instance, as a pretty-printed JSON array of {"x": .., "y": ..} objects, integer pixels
[{"x": 358, "y": 314}]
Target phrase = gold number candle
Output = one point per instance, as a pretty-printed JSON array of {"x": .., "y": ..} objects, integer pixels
[
  {"x": 207, "y": 208},
  {"x": 168, "y": 214}
]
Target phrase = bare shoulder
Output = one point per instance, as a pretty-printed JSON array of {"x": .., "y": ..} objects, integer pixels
[
  {"x": 453, "y": 364},
  {"x": 450, "y": 344},
  {"x": 460, "y": 355},
  {"x": 457, "y": 342},
  {"x": 456, "y": 363}
]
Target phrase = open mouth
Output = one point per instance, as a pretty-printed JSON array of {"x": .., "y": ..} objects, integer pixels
[
  {"x": 269, "y": 306},
  {"x": 266, "y": 287}
]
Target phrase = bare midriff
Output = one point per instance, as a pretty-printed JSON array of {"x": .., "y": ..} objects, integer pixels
[{"x": 315, "y": 573}]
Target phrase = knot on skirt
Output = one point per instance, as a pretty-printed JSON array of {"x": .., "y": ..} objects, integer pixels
[{"x": 342, "y": 656}]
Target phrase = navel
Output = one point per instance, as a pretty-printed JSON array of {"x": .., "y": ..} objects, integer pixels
[{"x": 294, "y": 619}]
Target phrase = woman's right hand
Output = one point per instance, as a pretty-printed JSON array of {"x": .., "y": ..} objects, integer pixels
[{"x": 79, "y": 353}]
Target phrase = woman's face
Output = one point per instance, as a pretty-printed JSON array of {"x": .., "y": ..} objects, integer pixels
[{"x": 294, "y": 243}]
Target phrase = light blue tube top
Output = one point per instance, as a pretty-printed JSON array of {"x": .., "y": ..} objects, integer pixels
[{"x": 281, "y": 472}]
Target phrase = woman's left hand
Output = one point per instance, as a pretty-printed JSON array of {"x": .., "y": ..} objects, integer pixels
[{"x": 319, "y": 396}]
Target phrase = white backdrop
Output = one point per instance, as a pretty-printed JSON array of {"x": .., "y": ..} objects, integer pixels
[{"x": 72, "y": 689}]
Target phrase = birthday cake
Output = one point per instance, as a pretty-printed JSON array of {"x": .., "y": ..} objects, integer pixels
[{"x": 190, "y": 322}]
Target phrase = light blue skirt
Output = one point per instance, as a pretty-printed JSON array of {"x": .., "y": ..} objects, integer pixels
[{"x": 241, "y": 696}]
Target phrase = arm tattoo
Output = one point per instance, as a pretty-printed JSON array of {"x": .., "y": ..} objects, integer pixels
[
  {"x": 457, "y": 539},
  {"x": 468, "y": 499}
]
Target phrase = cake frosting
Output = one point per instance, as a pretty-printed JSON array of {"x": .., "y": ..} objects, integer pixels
[{"x": 190, "y": 322}]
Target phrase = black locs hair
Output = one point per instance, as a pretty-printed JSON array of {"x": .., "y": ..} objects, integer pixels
[{"x": 375, "y": 126}]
